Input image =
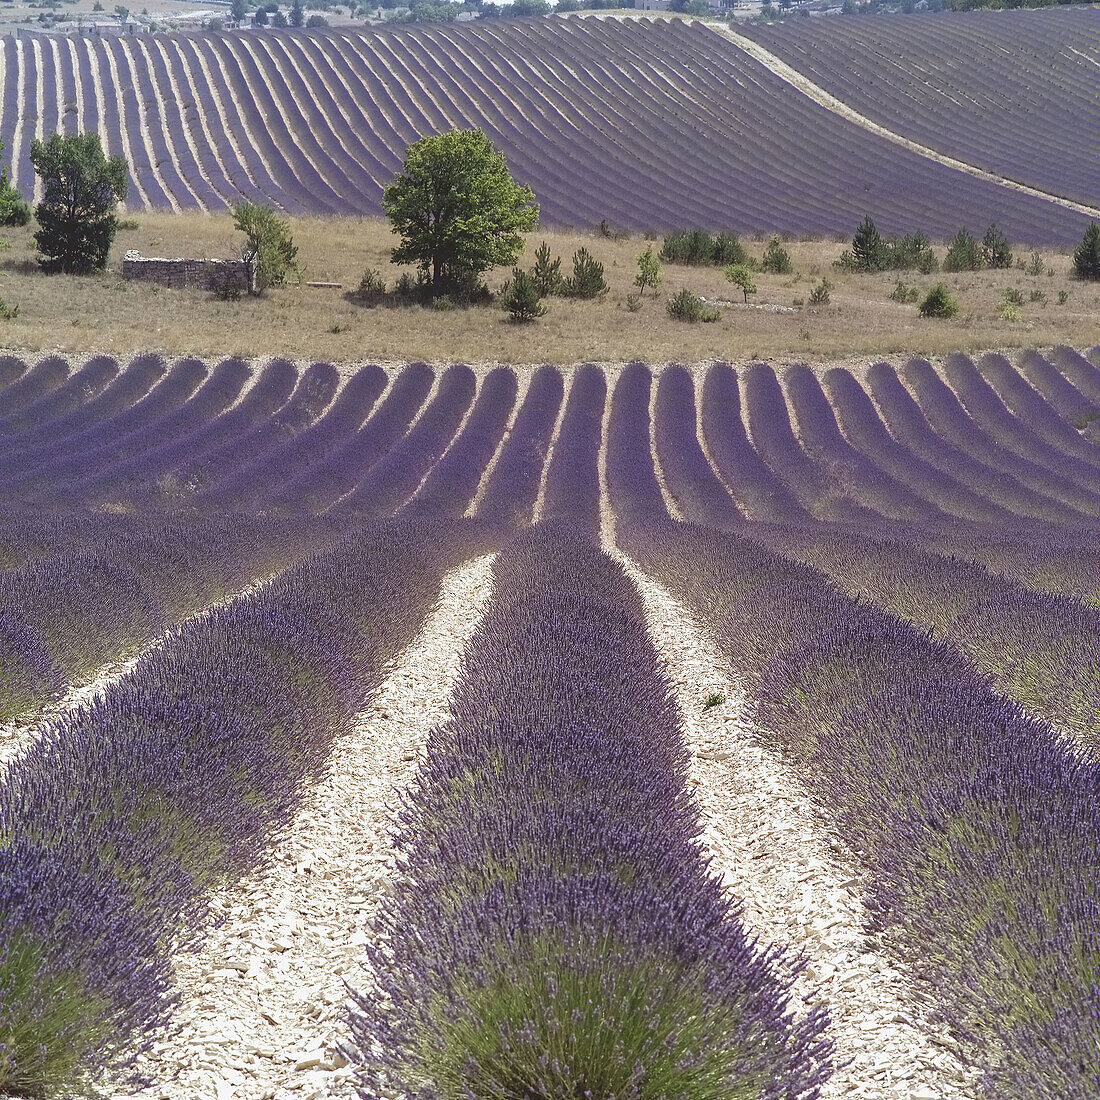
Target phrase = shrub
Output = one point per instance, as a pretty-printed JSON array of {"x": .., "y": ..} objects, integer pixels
[
  {"x": 633, "y": 303},
  {"x": 697, "y": 247},
  {"x": 268, "y": 250},
  {"x": 939, "y": 302},
  {"x": 1035, "y": 266},
  {"x": 14, "y": 209},
  {"x": 8, "y": 313},
  {"x": 443, "y": 303},
  {"x": 1014, "y": 296},
  {"x": 996, "y": 252},
  {"x": 520, "y": 296},
  {"x": 1009, "y": 311},
  {"x": 371, "y": 286},
  {"x": 128, "y": 224},
  {"x": 868, "y": 252},
  {"x": 1038, "y": 296},
  {"x": 607, "y": 233},
  {"x": 777, "y": 260},
  {"x": 913, "y": 250},
  {"x": 819, "y": 295},
  {"x": 963, "y": 253},
  {"x": 547, "y": 272},
  {"x": 1063, "y": 297},
  {"x": 316, "y": 21},
  {"x": 741, "y": 277},
  {"x": 1086, "y": 257},
  {"x": 904, "y": 294},
  {"x": 685, "y": 306},
  {"x": 649, "y": 271},
  {"x": 587, "y": 280}
]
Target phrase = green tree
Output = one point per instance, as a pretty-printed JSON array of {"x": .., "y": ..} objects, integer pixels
[
  {"x": 995, "y": 248},
  {"x": 521, "y": 297},
  {"x": 260, "y": 18},
  {"x": 14, "y": 209},
  {"x": 278, "y": 19},
  {"x": 457, "y": 209},
  {"x": 741, "y": 276},
  {"x": 297, "y": 14},
  {"x": 1086, "y": 257},
  {"x": 868, "y": 247},
  {"x": 939, "y": 302},
  {"x": 963, "y": 253},
  {"x": 587, "y": 280},
  {"x": 547, "y": 272},
  {"x": 649, "y": 271},
  {"x": 777, "y": 260},
  {"x": 269, "y": 250},
  {"x": 238, "y": 10},
  {"x": 81, "y": 191}
]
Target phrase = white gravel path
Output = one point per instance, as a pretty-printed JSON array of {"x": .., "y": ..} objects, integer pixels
[
  {"x": 798, "y": 883},
  {"x": 264, "y": 997}
]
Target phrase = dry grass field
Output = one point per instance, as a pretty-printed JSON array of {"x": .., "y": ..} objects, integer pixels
[{"x": 104, "y": 313}]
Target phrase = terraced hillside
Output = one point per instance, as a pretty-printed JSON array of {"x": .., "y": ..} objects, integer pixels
[
  {"x": 679, "y": 673},
  {"x": 1016, "y": 92},
  {"x": 652, "y": 125}
]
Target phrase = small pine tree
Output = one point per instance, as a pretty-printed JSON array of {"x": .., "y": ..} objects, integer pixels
[
  {"x": 521, "y": 297},
  {"x": 868, "y": 248},
  {"x": 995, "y": 249},
  {"x": 547, "y": 273},
  {"x": 649, "y": 271},
  {"x": 587, "y": 280},
  {"x": 1086, "y": 257},
  {"x": 741, "y": 276},
  {"x": 777, "y": 260},
  {"x": 963, "y": 253},
  {"x": 297, "y": 14}
]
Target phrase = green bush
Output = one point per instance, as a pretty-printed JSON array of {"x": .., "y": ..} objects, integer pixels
[
  {"x": 819, "y": 295},
  {"x": 904, "y": 294},
  {"x": 14, "y": 209},
  {"x": 996, "y": 252},
  {"x": 1014, "y": 296},
  {"x": 547, "y": 272},
  {"x": 587, "y": 280},
  {"x": 777, "y": 260},
  {"x": 963, "y": 253},
  {"x": 371, "y": 286},
  {"x": 269, "y": 250},
  {"x": 649, "y": 271},
  {"x": 939, "y": 302},
  {"x": 685, "y": 306},
  {"x": 1035, "y": 266},
  {"x": 1086, "y": 257},
  {"x": 696, "y": 247},
  {"x": 520, "y": 296},
  {"x": 633, "y": 303}
]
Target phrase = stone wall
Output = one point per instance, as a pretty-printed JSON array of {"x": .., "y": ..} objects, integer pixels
[{"x": 216, "y": 275}]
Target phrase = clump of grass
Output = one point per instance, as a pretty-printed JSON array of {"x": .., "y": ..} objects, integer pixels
[{"x": 714, "y": 699}]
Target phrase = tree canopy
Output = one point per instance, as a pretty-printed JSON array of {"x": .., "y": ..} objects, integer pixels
[
  {"x": 82, "y": 189},
  {"x": 457, "y": 209}
]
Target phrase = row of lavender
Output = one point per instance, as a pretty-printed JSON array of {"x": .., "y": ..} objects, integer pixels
[
  {"x": 556, "y": 931},
  {"x": 1011, "y": 107},
  {"x": 976, "y": 822},
  {"x": 208, "y": 120}
]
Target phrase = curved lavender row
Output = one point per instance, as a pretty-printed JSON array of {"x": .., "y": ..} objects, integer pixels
[
  {"x": 556, "y": 931},
  {"x": 318, "y": 488},
  {"x": 118, "y": 480},
  {"x": 1039, "y": 649},
  {"x": 513, "y": 485},
  {"x": 970, "y": 466},
  {"x": 1082, "y": 373},
  {"x": 25, "y": 537},
  {"x": 572, "y": 490},
  {"x": 312, "y": 395},
  {"x": 688, "y": 475},
  {"x": 165, "y": 482},
  {"x": 105, "y": 441},
  {"x": 63, "y": 616},
  {"x": 846, "y": 467},
  {"x": 11, "y": 369},
  {"x": 82, "y": 386},
  {"x": 259, "y": 477},
  {"x": 987, "y": 408},
  {"x": 862, "y": 427},
  {"x": 119, "y": 823},
  {"x": 33, "y": 385},
  {"x": 395, "y": 477},
  {"x": 977, "y": 824},
  {"x": 1035, "y": 411},
  {"x": 454, "y": 480},
  {"x": 1063, "y": 396},
  {"x": 755, "y": 489},
  {"x": 952, "y": 422},
  {"x": 769, "y": 426},
  {"x": 129, "y": 387}
]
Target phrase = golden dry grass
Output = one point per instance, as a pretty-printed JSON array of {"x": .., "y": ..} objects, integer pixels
[{"x": 104, "y": 313}]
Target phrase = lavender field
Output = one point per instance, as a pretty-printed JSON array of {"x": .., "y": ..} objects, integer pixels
[
  {"x": 604, "y": 731},
  {"x": 650, "y": 124}
]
